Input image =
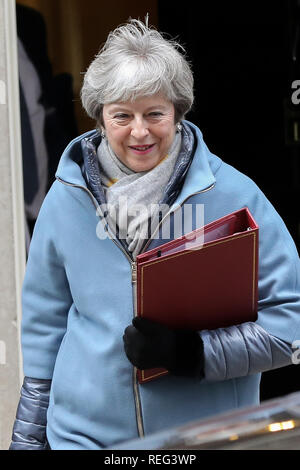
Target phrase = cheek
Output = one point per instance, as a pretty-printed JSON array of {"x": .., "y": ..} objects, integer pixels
[
  {"x": 116, "y": 137},
  {"x": 167, "y": 134}
]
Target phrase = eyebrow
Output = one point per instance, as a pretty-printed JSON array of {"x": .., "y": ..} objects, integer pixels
[{"x": 122, "y": 108}]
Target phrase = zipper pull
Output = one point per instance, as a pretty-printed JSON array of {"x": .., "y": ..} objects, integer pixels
[{"x": 133, "y": 272}]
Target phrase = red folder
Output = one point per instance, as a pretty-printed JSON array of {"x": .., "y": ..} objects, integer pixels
[{"x": 206, "y": 279}]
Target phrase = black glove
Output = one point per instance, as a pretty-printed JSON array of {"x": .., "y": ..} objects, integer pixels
[{"x": 149, "y": 344}]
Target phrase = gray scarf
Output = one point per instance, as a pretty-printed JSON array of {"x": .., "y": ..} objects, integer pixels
[{"x": 133, "y": 198}]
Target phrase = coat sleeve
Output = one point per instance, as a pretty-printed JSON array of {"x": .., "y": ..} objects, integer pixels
[
  {"x": 241, "y": 350},
  {"x": 46, "y": 300},
  {"x": 46, "y": 297},
  {"x": 266, "y": 344},
  {"x": 29, "y": 431}
]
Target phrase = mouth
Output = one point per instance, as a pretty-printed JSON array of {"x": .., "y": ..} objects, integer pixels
[{"x": 141, "y": 149}]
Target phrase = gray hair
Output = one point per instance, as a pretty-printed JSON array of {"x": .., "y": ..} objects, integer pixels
[{"x": 137, "y": 61}]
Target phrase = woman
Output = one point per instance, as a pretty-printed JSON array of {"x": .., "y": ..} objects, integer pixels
[{"x": 78, "y": 338}]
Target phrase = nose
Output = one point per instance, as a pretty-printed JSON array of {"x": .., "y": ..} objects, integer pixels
[{"x": 139, "y": 129}]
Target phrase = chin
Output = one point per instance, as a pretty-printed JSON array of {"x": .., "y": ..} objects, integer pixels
[
  {"x": 141, "y": 167},
  {"x": 152, "y": 164},
  {"x": 138, "y": 169}
]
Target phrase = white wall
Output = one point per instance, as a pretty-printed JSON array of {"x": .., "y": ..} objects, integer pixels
[{"x": 12, "y": 246}]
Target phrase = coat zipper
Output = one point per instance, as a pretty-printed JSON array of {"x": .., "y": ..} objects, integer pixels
[
  {"x": 137, "y": 398},
  {"x": 134, "y": 280}
]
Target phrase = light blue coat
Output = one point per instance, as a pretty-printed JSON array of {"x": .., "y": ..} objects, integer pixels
[{"x": 78, "y": 299}]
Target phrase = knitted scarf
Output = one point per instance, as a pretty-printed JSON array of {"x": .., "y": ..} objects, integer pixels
[{"x": 133, "y": 198}]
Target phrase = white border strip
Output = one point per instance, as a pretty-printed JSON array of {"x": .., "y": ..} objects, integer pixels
[{"x": 15, "y": 158}]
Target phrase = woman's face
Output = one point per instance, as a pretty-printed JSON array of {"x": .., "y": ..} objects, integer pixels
[{"x": 140, "y": 132}]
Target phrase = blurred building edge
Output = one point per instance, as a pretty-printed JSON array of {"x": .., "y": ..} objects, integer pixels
[
  {"x": 273, "y": 425},
  {"x": 47, "y": 107}
]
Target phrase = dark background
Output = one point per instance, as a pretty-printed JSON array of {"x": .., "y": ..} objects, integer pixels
[{"x": 242, "y": 57}]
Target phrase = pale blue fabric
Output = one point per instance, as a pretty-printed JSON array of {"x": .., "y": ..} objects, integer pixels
[{"x": 77, "y": 301}]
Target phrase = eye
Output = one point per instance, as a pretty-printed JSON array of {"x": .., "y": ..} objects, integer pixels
[
  {"x": 155, "y": 114},
  {"x": 121, "y": 116}
]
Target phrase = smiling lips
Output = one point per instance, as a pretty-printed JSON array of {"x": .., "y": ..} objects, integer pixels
[{"x": 141, "y": 149}]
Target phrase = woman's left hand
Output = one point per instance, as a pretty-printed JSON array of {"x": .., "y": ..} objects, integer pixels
[{"x": 149, "y": 344}]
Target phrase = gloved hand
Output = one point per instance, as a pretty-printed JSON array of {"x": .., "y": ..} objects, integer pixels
[{"x": 149, "y": 344}]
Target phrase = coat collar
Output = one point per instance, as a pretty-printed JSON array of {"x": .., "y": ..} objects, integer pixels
[
  {"x": 200, "y": 175},
  {"x": 69, "y": 167}
]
